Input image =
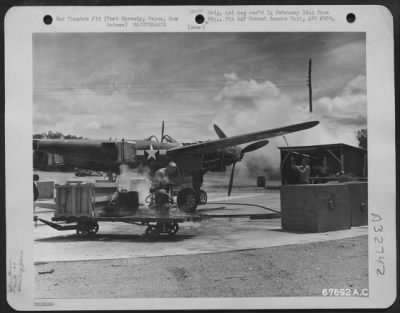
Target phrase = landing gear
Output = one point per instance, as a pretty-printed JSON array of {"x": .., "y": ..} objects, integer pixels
[
  {"x": 186, "y": 200},
  {"x": 197, "y": 181},
  {"x": 87, "y": 228},
  {"x": 153, "y": 232}
]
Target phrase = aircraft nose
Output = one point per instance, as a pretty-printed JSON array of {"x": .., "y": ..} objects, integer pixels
[
  {"x": 238, "y": 154},
  {"x": 233, "y": 154}
]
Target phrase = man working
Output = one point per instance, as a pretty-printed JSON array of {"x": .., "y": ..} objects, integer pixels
[
  {"x": 303, "y": 170},
  {"x": 161, "y": 187},
  {"x": 35, "y": 191},
  {"x": 163, "y": 176}
]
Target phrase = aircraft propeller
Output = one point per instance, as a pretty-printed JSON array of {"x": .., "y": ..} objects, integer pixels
[
  {"x": 251, "y": 147},
  {"x": 219, "y": 132},
  {"x": 254, "y": 146},
  {"x": 239, "y": 153},
  {"x": 162, "y": 131},
  {"x": 231, "y": 179}
]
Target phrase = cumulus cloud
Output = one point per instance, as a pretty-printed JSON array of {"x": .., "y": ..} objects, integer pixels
[
  {"x": 94, "y": 123},
  {"x": 82, "y": 110},
  {"x": 357, "y": 85},
  {"x": 246, "y": 105},
  {"x": 231, "y": 76},
  {"x": 350, "y": 55},
  {"x": 239, "y": 90},
  {"x": 349, "y": 107}
]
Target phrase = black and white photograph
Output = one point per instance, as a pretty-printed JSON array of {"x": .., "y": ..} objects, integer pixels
[
  {"x": 204, "y": 119},
  {"x": 201, "y": 165}
]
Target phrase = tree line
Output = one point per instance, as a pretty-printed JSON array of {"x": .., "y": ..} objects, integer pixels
[{"x": 56, "y": 135}]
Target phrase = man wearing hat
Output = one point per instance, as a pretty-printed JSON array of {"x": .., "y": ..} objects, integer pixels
[
  {"x": 304, "y": 171},
  {"x": 163, "y": 177}
]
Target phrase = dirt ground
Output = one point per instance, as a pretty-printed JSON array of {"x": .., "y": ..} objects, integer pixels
[{"x": 295, "y": 270}]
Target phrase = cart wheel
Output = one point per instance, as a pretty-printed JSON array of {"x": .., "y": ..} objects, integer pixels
[
  {"x": 82, "y": 230},
  {"x": 93, "y": 228},
  {"x": 186, "y": 200},
  {"x": 203, "y": 197},
  {"x": 172, "y": 229},
  {"x": 152, "y": 232}
]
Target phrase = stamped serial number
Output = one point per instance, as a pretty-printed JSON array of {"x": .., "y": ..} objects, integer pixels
[{"x": 344, "y": 292}]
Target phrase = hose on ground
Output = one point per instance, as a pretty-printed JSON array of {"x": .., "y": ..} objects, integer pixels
[{"x": 248, "y": 204}]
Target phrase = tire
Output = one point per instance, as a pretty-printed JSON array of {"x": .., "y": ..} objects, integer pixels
[
  {"x": 152, "y": 233},
  {"x": 93, "y": 228},
  {"x": 203, "y": 197},
  {"x": 186, "y": 200},
  {"x": 82, "y": 230},
  {"x": 86, "y": 229},
  {"x": 172, "y": 229}
]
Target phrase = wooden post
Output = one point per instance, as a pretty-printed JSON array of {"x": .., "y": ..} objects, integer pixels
[
  {"x": 365, "y": 166},
  {"x": 309, "y": 84},
  {"x": 341, "y": 160},
  {"x": 283, "y": 161}
]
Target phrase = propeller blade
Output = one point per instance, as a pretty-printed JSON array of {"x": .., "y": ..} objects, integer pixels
[
  {"x": 162, "y": 131},
  {"x": 255, "y": 146},
  {"x": 219, "y": 132},
  {"x": 231, "y": 179}
]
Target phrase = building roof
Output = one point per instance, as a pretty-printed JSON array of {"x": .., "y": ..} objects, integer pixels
[{"x": 318, "y": 147}]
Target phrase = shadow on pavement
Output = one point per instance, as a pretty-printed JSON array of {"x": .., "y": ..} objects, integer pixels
[{"x": 116, "y": 238}]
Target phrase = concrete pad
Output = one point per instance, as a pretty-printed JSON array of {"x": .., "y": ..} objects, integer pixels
[
  {"x": 117, "y": 240},
  {"x": 46, "y": 204}
]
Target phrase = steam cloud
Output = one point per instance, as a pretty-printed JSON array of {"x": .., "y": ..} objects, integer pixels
[
  {"x": 248, "y": 105},
  {"x": 137, "y": 179}
]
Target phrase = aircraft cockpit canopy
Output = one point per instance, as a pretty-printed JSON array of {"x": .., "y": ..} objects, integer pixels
[
  {"x": 168, "y": 138},
  {"x": 152, "y": 138},
  {"x": 165, "y": 138}
]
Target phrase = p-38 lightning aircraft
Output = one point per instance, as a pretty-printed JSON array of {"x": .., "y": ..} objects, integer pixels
[{"x": 192, "y": 159}]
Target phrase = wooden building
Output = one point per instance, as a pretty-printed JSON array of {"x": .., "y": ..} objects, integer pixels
[
  {"x": 46, "y": 161},
  {"x": 327, "y": 162}
]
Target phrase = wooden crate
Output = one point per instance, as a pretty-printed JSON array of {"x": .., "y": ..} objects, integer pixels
[
  {"x": 74, "y": 200},
  {"x": 315, "y": 208},
  {"x": 359, "y": 203}
]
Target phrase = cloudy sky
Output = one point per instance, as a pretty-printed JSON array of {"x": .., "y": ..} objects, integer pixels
[{"x": 122, "y": 85}]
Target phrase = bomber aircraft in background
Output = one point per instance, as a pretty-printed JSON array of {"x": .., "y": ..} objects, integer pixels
[{"x": 192, "y": 159}]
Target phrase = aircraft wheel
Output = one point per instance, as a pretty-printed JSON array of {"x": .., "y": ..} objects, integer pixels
[
  {"x": 203, "y": 197},
  {"x": 172, "y": 229},
  {"x": 152, "y": 232},
  {"x": 186, "y": 200}
]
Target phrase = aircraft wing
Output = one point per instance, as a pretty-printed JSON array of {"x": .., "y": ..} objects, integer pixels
[{"x": 213, "y": 145}]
